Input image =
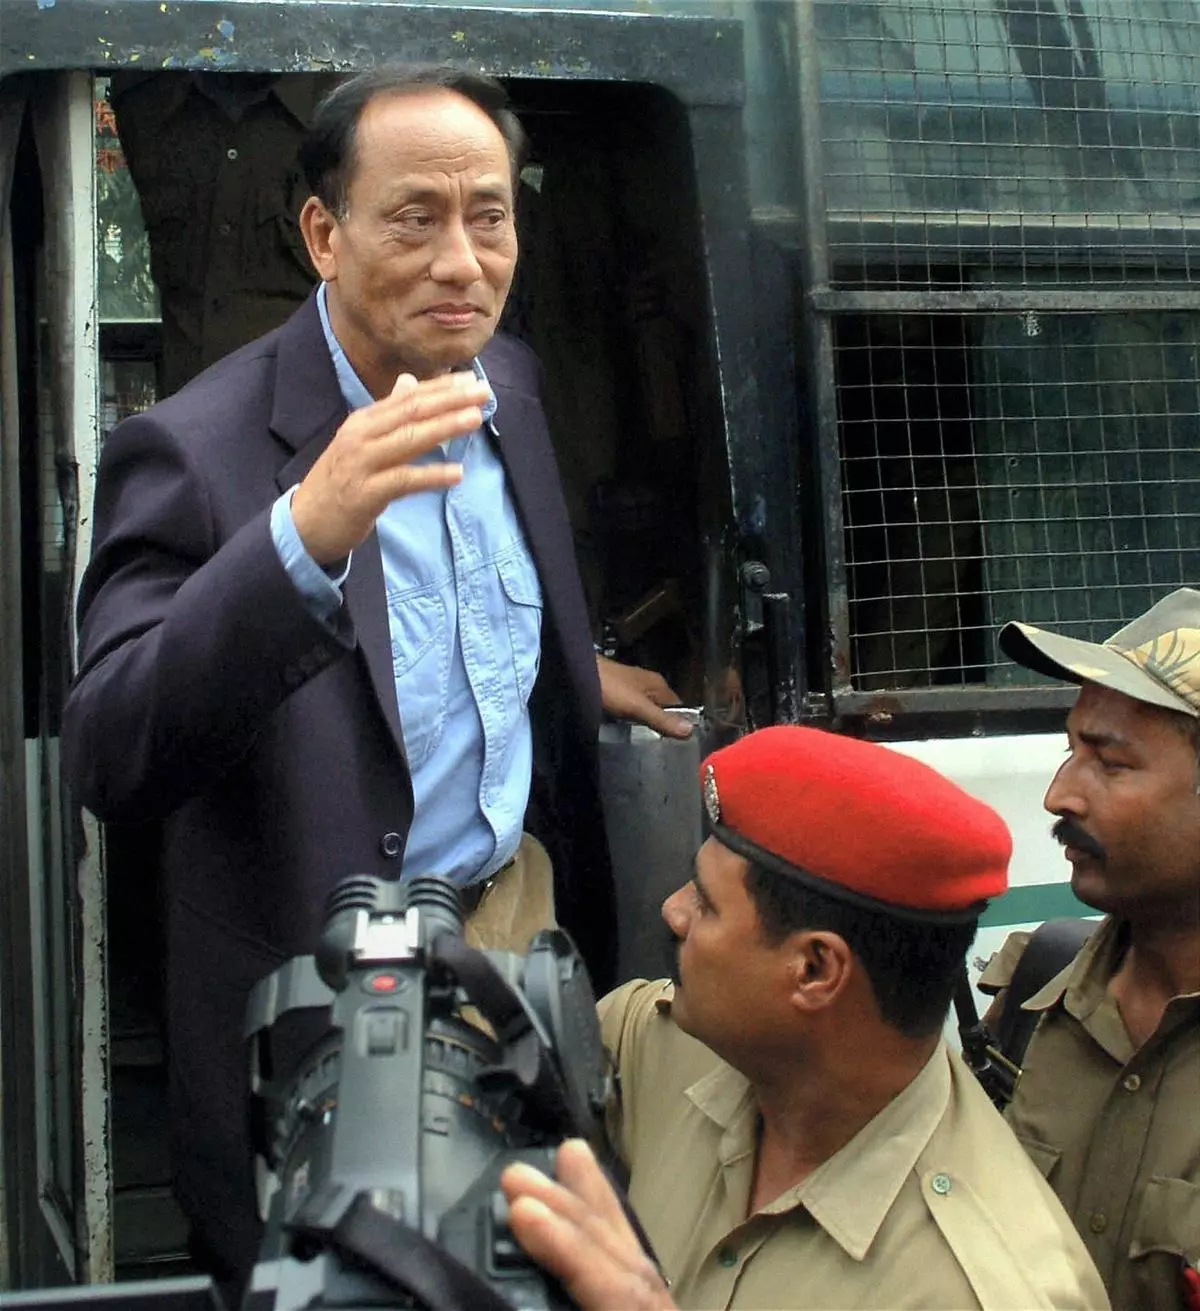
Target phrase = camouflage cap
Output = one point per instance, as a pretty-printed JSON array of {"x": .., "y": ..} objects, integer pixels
[{"x": 1155, "y": 659}]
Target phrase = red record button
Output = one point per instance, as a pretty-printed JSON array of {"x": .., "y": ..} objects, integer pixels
[{"x": 383, "y": 982}]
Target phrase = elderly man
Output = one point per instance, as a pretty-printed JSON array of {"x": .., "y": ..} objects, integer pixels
[
  {"x": 332, "y": 622},
  {"x": 1108, "y": 1103},
  {"x": 797, "y": 1132}
]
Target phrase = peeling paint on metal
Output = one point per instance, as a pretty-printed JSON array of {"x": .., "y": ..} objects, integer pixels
[
  {"x": 225, "y": 27},
  {"x": 458, "y": 36},
  {"x": 46, "y": 4},
  {"x": 216, "y": 58}
]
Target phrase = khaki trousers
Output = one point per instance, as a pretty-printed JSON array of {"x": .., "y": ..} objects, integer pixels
[{"x": 518, "y": 903}]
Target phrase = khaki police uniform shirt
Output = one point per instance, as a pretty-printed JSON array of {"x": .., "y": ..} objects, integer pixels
[
  {"x": 932, "y": 1205},
  {"x": 213, "y": 157},
  {"x": 1115, "y": 1130}
]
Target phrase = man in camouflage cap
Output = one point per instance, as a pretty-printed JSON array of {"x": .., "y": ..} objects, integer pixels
[
  {"x": 797, "y": 1132},
  {"x": 1108, "y": 1103}
]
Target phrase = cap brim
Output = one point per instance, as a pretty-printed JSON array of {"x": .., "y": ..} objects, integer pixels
[{"x": 1076, "y": 661}]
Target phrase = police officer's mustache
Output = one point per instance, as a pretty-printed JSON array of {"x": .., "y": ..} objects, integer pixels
[{"x": 1070, "y": 834}]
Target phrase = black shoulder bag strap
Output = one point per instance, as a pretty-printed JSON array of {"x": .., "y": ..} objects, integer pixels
[
  {"x": 410, "y": 1262},
  {"x": 996, "y": 1059},
  {"x": 1050, "y": 949}
]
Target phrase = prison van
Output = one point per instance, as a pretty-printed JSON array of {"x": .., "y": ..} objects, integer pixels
[{"x": 867, "y": 326}]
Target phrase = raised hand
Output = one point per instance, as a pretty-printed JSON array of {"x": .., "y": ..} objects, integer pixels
[{"x": 369, "y": 462}]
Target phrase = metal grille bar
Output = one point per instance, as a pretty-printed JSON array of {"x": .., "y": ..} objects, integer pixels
[
  {"x": 1010, "y": 194},
  {"x": 1024, "y": 465},
  {"x": 1016, "y": 123}
]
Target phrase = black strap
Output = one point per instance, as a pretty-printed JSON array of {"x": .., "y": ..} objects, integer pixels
[
  {"x": 410, "y": 1262},
  {"x": 995, "y": 1072},
  {"x": 483, "y": 983},
  {"x": 1050, "y": 949}
]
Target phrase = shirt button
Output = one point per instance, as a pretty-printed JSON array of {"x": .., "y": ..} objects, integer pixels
[
  {"x": 940, "y": 1183},
  {"x": 728, "y": 1256},
  {"x": 391, "y": 844},
  {"x": 231, "y": 153},
  {"x": 1133, "y": 1082},
  {"x": 1098, "y": 1222}
]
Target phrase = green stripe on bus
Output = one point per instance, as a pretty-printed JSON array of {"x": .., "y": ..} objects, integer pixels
[{"x": 1032, "y": 904}]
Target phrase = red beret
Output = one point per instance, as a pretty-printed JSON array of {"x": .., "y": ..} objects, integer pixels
[{"x": 858, "y": 821}]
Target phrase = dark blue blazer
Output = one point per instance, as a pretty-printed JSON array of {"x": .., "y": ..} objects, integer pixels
[{"x": 270, "y": 749}]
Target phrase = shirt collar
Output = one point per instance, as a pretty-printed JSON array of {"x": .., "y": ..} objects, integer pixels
[
  {"x": 1082, "y": 989},
  {"x": 353, "y": 389},
  {"x": 299, "y": 95},
  {"x": 1083, "y": 981},
  {"x": 850, "y": 1194}
]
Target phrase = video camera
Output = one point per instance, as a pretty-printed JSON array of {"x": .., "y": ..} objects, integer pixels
[{"x": 380, "y": 1152}]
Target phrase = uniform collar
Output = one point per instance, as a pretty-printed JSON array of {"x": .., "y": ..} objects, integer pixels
[
  {"x": 850, "y": 1195},
  {"x": 299, "y": 95},
  {"x": 1082, "y": 984},
  {"x": 1081, "y": 987}
]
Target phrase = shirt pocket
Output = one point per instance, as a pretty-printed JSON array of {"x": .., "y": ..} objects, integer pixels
[
  {"x": 523, "y": 612},
  {"x": 274, "y": 256},
  {"x": 168, "y": 210},
  {"x": 1168, "y": 1220},
  {"x": 421, "y": 667}
]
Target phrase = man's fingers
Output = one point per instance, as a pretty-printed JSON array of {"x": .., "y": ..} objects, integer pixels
[
  {"x": 408, "y": 479},
  {"x": 580, "y": 1174},
  {"x": 574, "y": 1235},
  {"x": 522, "y": 1180},
  {"x": 395, "y": 435},
  {"x": 410, "y": 397},
  {"x": 424, "y": 431},
  {"x": 667, "y": 724}
]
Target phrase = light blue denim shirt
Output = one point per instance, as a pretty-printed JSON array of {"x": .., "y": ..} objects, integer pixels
[{"x": 465, "y": 613}]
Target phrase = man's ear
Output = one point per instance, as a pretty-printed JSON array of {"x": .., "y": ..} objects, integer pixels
[
  {"x": 320, "y": 231},
  {"x": 821, "y": 967}
]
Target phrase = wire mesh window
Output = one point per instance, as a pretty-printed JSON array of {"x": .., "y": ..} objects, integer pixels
[
  {"x": 962, "y": 135},
  {"x": 1020, "y": 465}
]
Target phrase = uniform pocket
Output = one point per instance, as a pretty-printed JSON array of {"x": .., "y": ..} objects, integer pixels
[
  {"x": 523, "y": 610},
  {"x": 274, "y": 256},
  {"x": 168, "y": 208},
  {"x": 1168, "y": 1220},
  {"x": 421, "y": 668}
]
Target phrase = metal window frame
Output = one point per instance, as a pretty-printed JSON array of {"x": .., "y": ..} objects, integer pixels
[{"x": 815, "y": 233}]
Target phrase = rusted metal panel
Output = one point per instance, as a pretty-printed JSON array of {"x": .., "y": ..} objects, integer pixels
[{"x": 700, "y": 60}]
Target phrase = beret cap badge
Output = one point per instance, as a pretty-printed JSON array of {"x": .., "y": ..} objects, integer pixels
[{"x": 712, "y": 798}]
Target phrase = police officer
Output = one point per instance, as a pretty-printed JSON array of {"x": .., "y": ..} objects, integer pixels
[
  {"x": 1108, "y": 1104},
  {"x": 798, "y": 1133},
  {"x": 214, "y": 157}
]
